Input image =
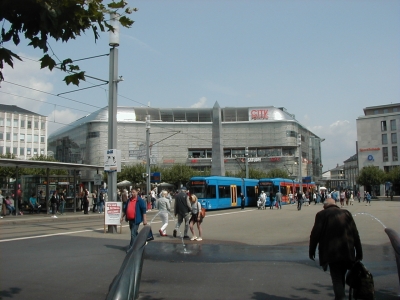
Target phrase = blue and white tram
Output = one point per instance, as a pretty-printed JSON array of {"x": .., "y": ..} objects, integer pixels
[{"x": 219, "y": 192}]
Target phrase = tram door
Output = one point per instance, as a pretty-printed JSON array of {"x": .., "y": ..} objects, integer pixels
[{"x": 233, "y": 195}]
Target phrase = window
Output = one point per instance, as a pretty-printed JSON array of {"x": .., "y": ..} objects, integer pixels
[
  {"x": 22, "y": 123},
  {"x": 36, "y": 138},
  {"x": 392, "y": 124},
  {"x": 29, "y": 124},
  {"x": 42, "y": 138},
  {"x": 93, "y": 134},
  {"x": 384, "y": 139},
  {"x": 8, "y": 122},
  {"x": 385, "y": 154},
  {"x": 15, "y": 123},
  {"x": 21, "y": 151},
  {"x": 395, "y": 109},
  {"x": 28, "y": 151},
  {"x": 15, "y": 137},
  {"x": 41, "y": 152},
  {"x": 42, "y": 125},
  {"x": 22, "y": 137},
  {"x": 35, "y": 151},
  {"x": 395, "y": 156},
  {"x": 383, "y": 126},
  {"x": 1, "y": 122},
  {"x": 224, "y": 191},
  {"x": 29, "y": 138},
  {"x": 1, "y": 136},
  {"x": 376, "y": 111},
  {"x": 36, "y": 124},
  {"x": 290, "y": 133},
  {"x": 394, "y": 138},
  {"x": 15, "y": 150},
  {"x": 8, "y": 150},
  {"x": 211, "y": 192},
  {"x": 1, "y": 149},
  {"x": 8, "y": 136},
  {"x": 385, "y": 110}
]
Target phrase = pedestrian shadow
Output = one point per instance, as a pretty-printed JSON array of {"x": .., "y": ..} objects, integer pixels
[{"x": 10, "y": 293}]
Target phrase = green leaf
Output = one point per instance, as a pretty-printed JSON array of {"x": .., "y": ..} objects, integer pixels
[{"x": 47, "y": 62}]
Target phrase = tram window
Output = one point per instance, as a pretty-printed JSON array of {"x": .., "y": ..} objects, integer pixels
[
  {"x": 250, "y": 191},
  {"x": 239, "y": 190},
  {"x": 211, "y": 192},
  {"x": 224, "y": 191}
]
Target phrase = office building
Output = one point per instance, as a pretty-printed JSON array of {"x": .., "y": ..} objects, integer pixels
[
  {"x": 377, "y": 133},
  {"x": 22, "y": 133},
  {"x": 184, "y": 136}
]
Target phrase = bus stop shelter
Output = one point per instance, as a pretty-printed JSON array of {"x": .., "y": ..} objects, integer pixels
[{"x": 48, "y": 165}]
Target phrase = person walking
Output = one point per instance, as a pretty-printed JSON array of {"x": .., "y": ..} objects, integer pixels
[
  {"x": 134, "y": 213},
  {"x": 243, "y": 200},
  {"x": 351, "y": 201},
  {"x": 62, "y": 196},
  {"x": 299, "y": 200},
  {"x": 85, "y": 201},
  {"x": 164, "y": 207},
  {"x": 101, "y": 203},
  {"x": 342, "y": 196},
  {"x": 53, "y": 202},
  {"x": 339, "y": 245},
  {"x": 278, "y": 199},
  {"x": 368, "y": 197},
  {"x": 271, "y": 200},
  {"x": 182, "y": 208},
  {"x": 195, "y": 218}
]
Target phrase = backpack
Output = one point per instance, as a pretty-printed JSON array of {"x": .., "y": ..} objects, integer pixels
[{"x": 361, "y": 282}]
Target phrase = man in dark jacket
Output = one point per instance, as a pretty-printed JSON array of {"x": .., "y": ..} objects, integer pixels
[
  {"x": 182, "y": 208},
  {"x": 339, "y": 243}
]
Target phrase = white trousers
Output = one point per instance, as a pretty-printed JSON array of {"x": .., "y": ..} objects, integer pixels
[{"x": 164, "y": 219}]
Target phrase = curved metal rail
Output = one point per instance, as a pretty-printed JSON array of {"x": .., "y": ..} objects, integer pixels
[
  {"x": 125, "y": 285},
  {"x": 395, "y": 240}
]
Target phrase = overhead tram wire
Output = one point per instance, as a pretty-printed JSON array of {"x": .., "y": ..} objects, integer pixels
[
  {"x": 29, "y": 88},
  {"x": 45, "y": 102}
]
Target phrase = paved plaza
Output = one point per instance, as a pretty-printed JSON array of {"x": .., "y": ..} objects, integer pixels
[{"x": 245, "y": 254}]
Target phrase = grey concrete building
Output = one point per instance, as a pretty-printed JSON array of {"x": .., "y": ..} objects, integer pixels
[
  {"x": 377, "y": 133},
  {"x": 22, "y": 133},
  {"x": 351, "y": 172},
  {"x": 184, "y": 136}
]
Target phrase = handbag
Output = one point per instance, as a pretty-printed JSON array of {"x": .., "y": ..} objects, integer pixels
[{"x": 202, "y": 213}]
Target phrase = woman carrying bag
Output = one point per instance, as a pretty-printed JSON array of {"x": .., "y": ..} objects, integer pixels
[{"x": 195, "y": 218}]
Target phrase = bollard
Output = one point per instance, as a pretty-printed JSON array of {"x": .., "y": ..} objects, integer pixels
[{"x": 125, "y": 285}]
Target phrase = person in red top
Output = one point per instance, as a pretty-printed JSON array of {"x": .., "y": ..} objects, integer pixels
[{"x": 134, "y": 213}]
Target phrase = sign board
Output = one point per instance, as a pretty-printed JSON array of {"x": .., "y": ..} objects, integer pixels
[
  {"x": 97, "y": 179},
  {"x": 113, "y": 212},
  {"x": 112, "y": 160},
  {"x": 155, "y": 177}
]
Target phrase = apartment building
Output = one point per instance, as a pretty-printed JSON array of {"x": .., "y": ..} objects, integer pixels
[{"x": 22, "y": 133}]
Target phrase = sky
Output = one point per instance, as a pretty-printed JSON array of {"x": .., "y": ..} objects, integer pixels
[{"x": 324, "y": 61}]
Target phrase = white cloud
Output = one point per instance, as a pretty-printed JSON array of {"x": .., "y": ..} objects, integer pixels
[
  {"x": 26, "y": 74},
  {"x": 340, "y": 142},
  {"x": 60, "y": 118},
  {"x": 201, "y": 103}
]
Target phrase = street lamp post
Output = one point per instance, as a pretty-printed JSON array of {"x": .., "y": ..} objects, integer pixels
[
  {"x": 246, "y": 157},
  {"x": 148, "y": 154},
  {"x": 300, "y": 176},
  {"x": 112, "y": 108}
]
